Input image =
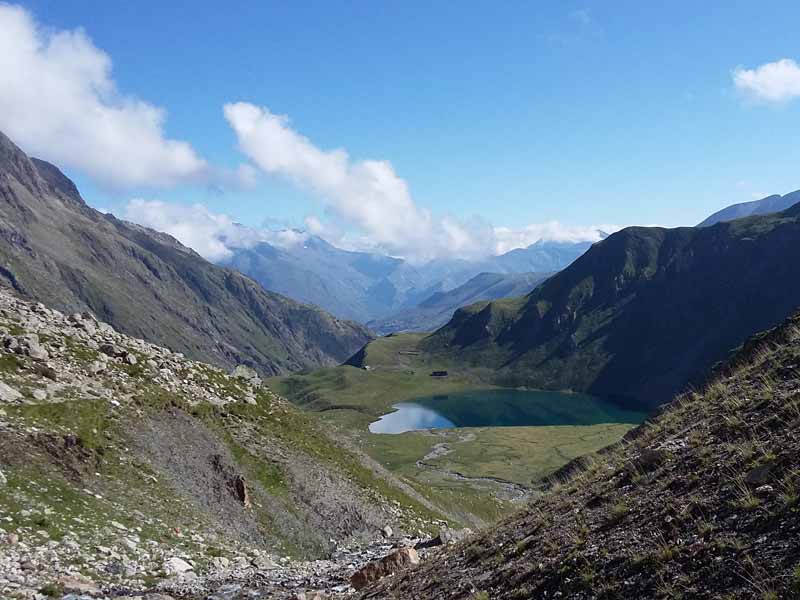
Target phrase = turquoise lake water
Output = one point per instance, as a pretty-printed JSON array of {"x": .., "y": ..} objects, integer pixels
[{"x": 502, "y": 408}]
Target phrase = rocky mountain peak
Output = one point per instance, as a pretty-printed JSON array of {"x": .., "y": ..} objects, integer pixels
[{"x": 58, "y": 182}]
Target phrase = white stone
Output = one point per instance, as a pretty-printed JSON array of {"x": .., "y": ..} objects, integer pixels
[
  {"x": 177, "y": 566},
  {"x": 8, "y": 394}
]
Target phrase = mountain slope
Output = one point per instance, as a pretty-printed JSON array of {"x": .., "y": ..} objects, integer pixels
[
  {"x": 542, "y": 256},
  {"x": 437, "y": 310},
  {"x": 56, "y": 249},
  {"x": 770, "y": 204},
  {"x": 641, "y": 314},
  {"x": 365, "y": 286},
  {"x": 701, "y": 502},
  {"x": 117, "y": 455},
  {"x": 352, "y": 285}
]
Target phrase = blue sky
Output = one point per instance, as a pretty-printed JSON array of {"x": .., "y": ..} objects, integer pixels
[{"x": 516, "y": 113}]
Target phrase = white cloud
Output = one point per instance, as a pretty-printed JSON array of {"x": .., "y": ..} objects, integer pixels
[
  {"x": 776, "y": 82},
  {"x": 212, "y": 235},
  {"x": 194, "y": 226},
  {"x": 216, "y": 236},
  {"x": 507, "y": 239},
  {"x": 59, "y": 101},
  {"x": 365, "y": 194}
]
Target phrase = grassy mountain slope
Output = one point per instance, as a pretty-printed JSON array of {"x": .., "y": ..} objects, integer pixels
[
  {"x": 56, "y": 249},
  {"x": 107, "y": 441},
  {"x": 437, "y": 310},
  {"x": 641, "y": 314},
  {"x": 703, "y": 501}
]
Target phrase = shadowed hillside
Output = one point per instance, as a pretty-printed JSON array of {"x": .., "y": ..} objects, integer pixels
[
  {"x": 641, "y": 314},
  {"x": 700, "y": 502}
]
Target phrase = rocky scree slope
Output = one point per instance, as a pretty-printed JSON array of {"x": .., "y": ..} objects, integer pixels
[
  {"x": 641, "y": 314},
  {"x": 129, "y": 464},
  {"x": 703, "y": 501},
  {"x": 57, "y": 250}
]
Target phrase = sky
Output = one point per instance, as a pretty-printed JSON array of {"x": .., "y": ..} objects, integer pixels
[{"x": 416, "y": 129}]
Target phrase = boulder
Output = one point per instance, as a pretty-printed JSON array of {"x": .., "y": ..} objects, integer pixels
[
  {"x": 445, "y": 537},
  {"x": 45, "y": 370},
  {"x": 177, "y": 566},
  {"x": 760, "y": 475},
  {"x": 8, "y": 394},
  {"x": 78, "y": 584},
  {"x": 3, "y": 479},
  {"x": 30, "y": 346},
  {"x": 111, "y": 350},
  {"x": 395, "y": 562},
  {"x": 96, "y": 367},
  {"x": 387, "y": 531},
  {"x": 246, "y": 374},
  {"x": 89, "y": 327},
  {"x": 10, "y": 343},
  {"x": 264, "y": 562}
]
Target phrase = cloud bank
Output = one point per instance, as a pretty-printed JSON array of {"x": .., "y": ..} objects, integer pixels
[
  {"x": 366, "y": 194},
  {"x": 774, "y": 82},
  {"x": 59, "y": 101},
  {"x": 213, "y": 236},
  {"x": 216, "y": 236}
]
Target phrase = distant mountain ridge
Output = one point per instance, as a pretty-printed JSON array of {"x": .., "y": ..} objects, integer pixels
[
  {"x": 435, "y": 311},
  {"x": 770, "y": 204},
  {"x": 371, "y": 287},
  {"x": 641, "y": 314},
  {"x": 57, "y": 250}
]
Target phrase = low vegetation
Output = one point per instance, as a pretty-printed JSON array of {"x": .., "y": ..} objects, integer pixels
[
  {"x": 476, "y": 474},
  {"x": 114, "y": 452},
  {"x": 699, "y": 502}
]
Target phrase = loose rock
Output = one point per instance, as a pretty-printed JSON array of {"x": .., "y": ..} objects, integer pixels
[{"x": 397, "y": 561}]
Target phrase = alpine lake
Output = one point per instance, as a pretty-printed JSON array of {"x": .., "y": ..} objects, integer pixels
[
  {"x": 475, "y": 452},
  {"x": 501, "y": 408}
]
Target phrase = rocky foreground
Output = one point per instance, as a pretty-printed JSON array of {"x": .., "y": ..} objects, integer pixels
[{"x": 127, "y": 470}]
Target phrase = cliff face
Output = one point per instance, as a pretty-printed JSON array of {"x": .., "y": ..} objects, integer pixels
[{"x": 56, "y": 249}]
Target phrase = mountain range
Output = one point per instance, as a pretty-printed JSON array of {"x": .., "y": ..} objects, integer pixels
[
  {"x": 641, "y": 314},
  {"x": 375, "y": 288},
  {"x": 57, "y": 250},
  {"x": 770, "y": 204},
  {"x": 435, "y": 311}
]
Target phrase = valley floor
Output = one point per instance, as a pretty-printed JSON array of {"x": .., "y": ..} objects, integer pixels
[{"x": 475, "y": 475}]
